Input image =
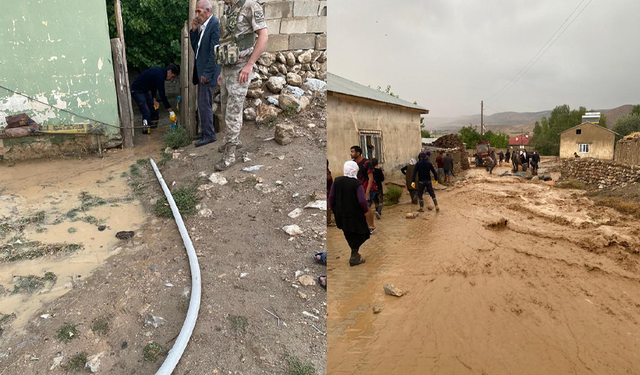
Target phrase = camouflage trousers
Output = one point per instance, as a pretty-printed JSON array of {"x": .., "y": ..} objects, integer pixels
[{"x": 232, "y": 95}]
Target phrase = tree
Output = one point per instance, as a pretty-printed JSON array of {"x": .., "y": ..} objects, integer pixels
[
  {"x": 636, "y": 109},
  {"x": 603, "y": 121},
  {"x": 425, "y": 134},
  {"x": 152, "y": 30},
  {"x": 627, "y": 124},
  {"x": 546, "y": 139},
  {"x": 470, "y": 136}
]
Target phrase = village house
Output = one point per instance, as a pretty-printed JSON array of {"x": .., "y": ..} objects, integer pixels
[
  {"x": 588, "y": 140},
  {"x": 360, "y": 115},
  {"x": 520, "y": 141}
]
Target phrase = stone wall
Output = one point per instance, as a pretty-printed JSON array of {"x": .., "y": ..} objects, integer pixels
[
  {"x": 283, "y": 80},
  {"x": 600, "y": 173},
  {"x": 296, "y": 24},
  {"x": 628, "y": 150}
]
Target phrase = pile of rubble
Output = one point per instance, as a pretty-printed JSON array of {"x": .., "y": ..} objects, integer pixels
[
  {"x": 603, "y": 173},
  {"x": 452, "y": 141},
  {"x": 284, "y": 81}
]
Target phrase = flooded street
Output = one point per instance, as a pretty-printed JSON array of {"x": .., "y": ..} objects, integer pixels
[
  {"x": 555, "y": 290},
  {"x": 61, "y": 217}
]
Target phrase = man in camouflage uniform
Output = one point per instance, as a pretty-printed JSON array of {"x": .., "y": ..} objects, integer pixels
[{"x": 238, "y": 52}]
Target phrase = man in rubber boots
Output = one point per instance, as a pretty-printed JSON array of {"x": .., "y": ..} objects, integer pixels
[
  {"x": 422, "y": 170},
  {"x": 145, "y": 87},
  {"x": 238, "y": 51}
]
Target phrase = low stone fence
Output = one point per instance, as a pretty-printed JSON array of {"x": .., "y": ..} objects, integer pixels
[
  {"x": 600, "y": 173},
  {"x": 283, "y": 81}
]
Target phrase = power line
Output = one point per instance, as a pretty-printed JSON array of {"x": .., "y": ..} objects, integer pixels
[{"x": 537, "y": 56}]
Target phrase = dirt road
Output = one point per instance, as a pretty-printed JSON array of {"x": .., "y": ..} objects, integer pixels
[{"x": 556, "y": 291}]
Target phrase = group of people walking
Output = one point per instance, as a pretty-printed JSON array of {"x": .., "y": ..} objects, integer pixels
[{"x": 353, "y": 195}]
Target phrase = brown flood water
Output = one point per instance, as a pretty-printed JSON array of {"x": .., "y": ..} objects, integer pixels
[{"x": 56, "y": 187}]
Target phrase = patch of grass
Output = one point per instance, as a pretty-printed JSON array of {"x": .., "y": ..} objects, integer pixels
[
  {"x": 30, "y": 284},
  {"x": 72, "y": 230},
  {"x": 67, "y": 332},
  {"x": 152, "y": 351},
  {"x": 142, "y": 162},
  {"x": 37, "y": 218},
  {"x": 34, "y": 249},
  {"x": 124, "y": 174},
  {"x": 186, "y": 199},
  {"x": 270, "y": 122},
  {"x": 177, "y": 138},
  {"x": 5, "y": 318},
  {"x": 77, "y": 362},
  {"x": 297, "y": 367},
  {"x": 313, "y": 196},
  {"x": 290, "y": 110},
  {"x": 6, "y": 228},
  {"x": 138, "y": 187},
  {"x": 165, "y": 158},
  {"x": 238, "y": 322},
  {"x": 622, "y": 206},
  {"x": 101, "y": 326},
  {"x": 392, "y": 196},
  {"x": 571, "y": 184},
  {"x": 134, "y": 171},
  {"x": 92, "y": 220},
  {"x": 40, "y": 229}
]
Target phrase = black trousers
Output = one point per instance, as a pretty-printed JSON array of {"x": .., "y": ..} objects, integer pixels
[{"x": 422, "y": 185}]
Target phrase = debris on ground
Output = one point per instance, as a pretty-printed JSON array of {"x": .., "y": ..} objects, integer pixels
[
  {"x": 377, "y": 308},
  {"x": 391, "y": 290},
  {"x": 496, "y": 225},
  {"x": 292, "y": 230},
  {"x": 306, "y": 280}
]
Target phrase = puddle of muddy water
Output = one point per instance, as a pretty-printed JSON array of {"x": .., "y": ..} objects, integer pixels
[{"x": 63, "y": 201}]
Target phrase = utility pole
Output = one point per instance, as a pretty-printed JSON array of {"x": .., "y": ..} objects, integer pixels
[{"x": 481, "y": 117}]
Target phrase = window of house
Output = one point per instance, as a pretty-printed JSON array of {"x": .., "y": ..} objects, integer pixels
[
  {"x": 578, "y": 131},
  {"x": 583, "y": 148},
  {"x": 372, "y": 138}
]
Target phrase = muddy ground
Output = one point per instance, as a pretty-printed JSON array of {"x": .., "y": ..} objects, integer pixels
[
  {"x": 248, "y": 265},
  {"x": 554, "y": 291}
]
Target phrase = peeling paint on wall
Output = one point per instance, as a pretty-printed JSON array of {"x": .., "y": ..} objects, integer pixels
[{"x": 32, "y": 60}]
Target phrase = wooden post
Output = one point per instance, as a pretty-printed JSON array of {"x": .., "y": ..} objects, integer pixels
[
  {"x": 120, "y": 29},
  {"x": 122, "y": 91},
  {"x": 185, "y": 76},
  {"x": 193, "y": 90}
]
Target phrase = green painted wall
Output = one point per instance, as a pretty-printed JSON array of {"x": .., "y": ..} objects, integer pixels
[{"x": 59, "y": 52}]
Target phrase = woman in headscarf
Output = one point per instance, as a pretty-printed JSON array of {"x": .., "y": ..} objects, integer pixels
[{"x": 349, "y": 206}]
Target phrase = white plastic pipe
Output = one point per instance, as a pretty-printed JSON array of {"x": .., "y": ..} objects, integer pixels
[{"x": 194, "y": 304}]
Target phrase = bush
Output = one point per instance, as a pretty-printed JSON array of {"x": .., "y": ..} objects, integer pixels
[
  {"x": 176, "y": 138},
  {"x": 67, "y": 332},
  {"x": 571, "y": 184},
  {"x": 392, "y": 196}
]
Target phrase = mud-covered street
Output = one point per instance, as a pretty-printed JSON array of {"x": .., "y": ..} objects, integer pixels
[{"x": 555, "y": 291}]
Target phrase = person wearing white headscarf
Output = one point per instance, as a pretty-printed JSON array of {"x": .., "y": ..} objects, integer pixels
[{"x": 349, "y": 206}]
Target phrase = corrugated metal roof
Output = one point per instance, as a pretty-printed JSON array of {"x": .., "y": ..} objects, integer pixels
[
  {"x": 344, "y": 86},
  {"x": 428, "y": 140}
]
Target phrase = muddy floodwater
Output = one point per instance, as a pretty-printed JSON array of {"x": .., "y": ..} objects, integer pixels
[{"x": 58, "y": 220}]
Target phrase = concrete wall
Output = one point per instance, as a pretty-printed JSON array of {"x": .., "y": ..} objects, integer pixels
[
  {"x": 57, "y": 51},
  {"x": 628, "y": 151},
  {"x": 296, "y": 24},
  {"x": 400, "y": 128},
  {"x": 601, "y": 142}
]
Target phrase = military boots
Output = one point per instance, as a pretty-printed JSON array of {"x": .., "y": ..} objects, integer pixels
[{"x": 228, "y": 157}]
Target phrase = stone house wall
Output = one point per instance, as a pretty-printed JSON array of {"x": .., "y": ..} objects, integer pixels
[{"x": 600, "y": 173}]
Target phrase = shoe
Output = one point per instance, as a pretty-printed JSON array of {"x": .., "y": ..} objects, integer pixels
[
  {"x": 198, "y": 137},
  {"x": 371, "y": 230},
  {"x": 228, "y": 158},
  {"x": 205, "y": 141},
  {"x": 420, "y": 209},
  {"x": 221, "y": 148},
  {"x": 437, "y": 208},
  {"x": 378, "y": 216}
]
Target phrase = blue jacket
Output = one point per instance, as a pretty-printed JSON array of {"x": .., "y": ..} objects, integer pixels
[
  {"x": 152, "y": 80},
  {"x": 205, "y": 65}
]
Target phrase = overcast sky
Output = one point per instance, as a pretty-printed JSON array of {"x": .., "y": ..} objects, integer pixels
[{"x": 449, "y": 54}]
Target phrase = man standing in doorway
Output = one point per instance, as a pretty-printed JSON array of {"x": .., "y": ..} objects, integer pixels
[
  {"x": 145, "y": 87},
  {"x": 365, "y": 175},
  {"x": 205, "y": 35},
  {"x": 237, "y": 53}
]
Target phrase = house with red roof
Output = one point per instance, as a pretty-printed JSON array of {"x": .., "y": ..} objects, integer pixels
[{"x": 519, "y": 141}]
